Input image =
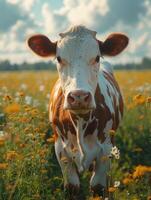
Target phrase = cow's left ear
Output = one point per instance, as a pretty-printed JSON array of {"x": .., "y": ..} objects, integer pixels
[
  {"x": 42, "y": 46},
  {"x": 114, "y": 44}
]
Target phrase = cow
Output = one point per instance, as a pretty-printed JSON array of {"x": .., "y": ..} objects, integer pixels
[{"x": 85, "y": 103}]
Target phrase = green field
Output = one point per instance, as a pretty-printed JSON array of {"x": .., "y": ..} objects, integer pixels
[{"x": 28, "y": 166}]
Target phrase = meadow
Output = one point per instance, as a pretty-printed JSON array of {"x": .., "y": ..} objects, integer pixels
[{"x": 28, "y": 166}]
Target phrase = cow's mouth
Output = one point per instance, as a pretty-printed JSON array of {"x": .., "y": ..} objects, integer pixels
[{"x": 80, "y": 110}]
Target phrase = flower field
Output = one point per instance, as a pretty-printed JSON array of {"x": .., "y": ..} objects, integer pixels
[{"x": 28, "y": 166}]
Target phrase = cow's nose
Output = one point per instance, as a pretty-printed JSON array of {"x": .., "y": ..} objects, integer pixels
[{"x": 78, "y": 98}]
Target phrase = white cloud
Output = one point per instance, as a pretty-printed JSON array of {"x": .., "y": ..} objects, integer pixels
[
  {"x": 25, "y": 5},
  {"x": 49, "y": 19},
  {"x": 83, "y": 12}
]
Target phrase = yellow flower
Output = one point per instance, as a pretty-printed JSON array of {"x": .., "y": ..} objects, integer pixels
[
  {"x": 112, "y": 189},
  {"x": 12, "y": 108},
  {"x": 139, "y": 99},
  {"x": 140, "y": 170},
  {"x": 127, "y": 181},
  {"x": 7, "y": 97},
  {"x": 112, "y": 132},
  {"x": 11, "y": 155},
  {"x": 51, "y": 140},
  {"x": 2, "y": 141},
  {"x": 148, "y": 100},
  {"x": 21, "y": 94},
  {"x": 3, "y": 166},
  {"x": 137, "y": 149}
]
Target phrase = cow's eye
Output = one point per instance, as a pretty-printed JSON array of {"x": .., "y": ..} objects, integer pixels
[
  {"x": 59, "y": 59},
  {"x": 97, "y": 59}
]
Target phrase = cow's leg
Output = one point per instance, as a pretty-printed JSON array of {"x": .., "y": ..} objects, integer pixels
[
  {"x": 71, "y": 178},
  {"x": 98, "y": 182}
]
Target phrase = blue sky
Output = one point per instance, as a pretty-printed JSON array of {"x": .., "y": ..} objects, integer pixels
[{"x": 19, "y": 19}]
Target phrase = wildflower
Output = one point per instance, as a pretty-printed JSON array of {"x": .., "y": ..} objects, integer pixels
[
  {"x": 1, "y": 133},
  {"x": 21, "y": 94},
  {"x": 112, "y": 189},
  {"x": 23, "y": 86},
  {"x": 50, "y": 140},
  {"x": 116, "y": 184},
  {"x": 139, "y": 99},
  {"x": 28, "y": 100},
  {"x": 2, "y": 141},
  {"x": 115, "y": 152},
  {"x": 3, "y": 166},
  {"x": 148, "y": 100},
  {"x": 140, "y": 170},
  {"x": 12, "y": 108},
  {"x": 104, "y": 158},
  {"x": 112, "y": 132},
  {"x": 41, "y": 88},
  {"x": 44, "y": 171},
  {"x": 7, "y": 97},
  {"x": 127, "y": 181},
  {"x": 11, "y": 155},
  {"x": 137, "y": 149}
]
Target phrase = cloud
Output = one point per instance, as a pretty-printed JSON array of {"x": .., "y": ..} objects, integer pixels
[
  {"x": 11, "y": 13},
  {"x": 105, "y": 16}
]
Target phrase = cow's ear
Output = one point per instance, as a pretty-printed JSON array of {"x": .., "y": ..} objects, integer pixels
[
  {"x": 114, "y": 44},
  {"x": 42, "y": 46}
]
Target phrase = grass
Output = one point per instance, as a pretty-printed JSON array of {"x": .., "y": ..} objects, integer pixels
[{"x": 28, "y": 166}]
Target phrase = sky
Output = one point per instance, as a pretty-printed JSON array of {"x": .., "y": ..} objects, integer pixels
[{"x": 20, "y": 19}]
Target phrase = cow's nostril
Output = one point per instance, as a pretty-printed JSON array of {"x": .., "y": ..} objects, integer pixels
[
  {"x": 87, "y": 98},
  {"x": 71, "y": 99}
]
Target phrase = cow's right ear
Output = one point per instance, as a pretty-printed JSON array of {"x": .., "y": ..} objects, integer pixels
[{"x": 42, "y": 46}]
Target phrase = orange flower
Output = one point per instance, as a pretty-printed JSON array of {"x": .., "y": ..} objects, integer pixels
[
  {"x": 12, "y": 108},
  {"x": 127, "y": 181},
  {"x": 112, "y": 132},
  {"x": 11, "y": 155},
  {"x": 139, "y": 99},
  {"x": 112, "y": 189},
  {"x": 140, "y": 170},
  {"x": 7, "y": 97},
  {"x": 2, "y": 141},
  {"x": 148, "y": 100},
  {"x": 3, "y": 166}
]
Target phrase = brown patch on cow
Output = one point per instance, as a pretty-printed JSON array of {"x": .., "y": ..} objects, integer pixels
[
  {"x": 91, "y": 127},
  {"x": 61, "y": 118}
]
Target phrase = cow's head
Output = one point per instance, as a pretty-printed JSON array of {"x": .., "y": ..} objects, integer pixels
[{"x": 78, "y": 54}]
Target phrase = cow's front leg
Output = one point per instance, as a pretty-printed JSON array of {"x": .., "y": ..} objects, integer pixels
[
  {"x": 71, "y": 178},
  {"x": 98, "y": 182}
]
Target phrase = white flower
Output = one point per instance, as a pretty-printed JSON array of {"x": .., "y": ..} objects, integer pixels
[
  {"x": 28, "y": 100},
  {"x": 41, "y": 88},
  {"x": 1, "y": 133},
  {"x": 48, "y": 96},
  {"x": 116, "y": 184},
  {"x": 115, "y": 152},
  {"x": 23, "y": 86}
]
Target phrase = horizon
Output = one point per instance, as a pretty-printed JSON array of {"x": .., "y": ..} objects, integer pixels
[{"x": 51, "y": 17}]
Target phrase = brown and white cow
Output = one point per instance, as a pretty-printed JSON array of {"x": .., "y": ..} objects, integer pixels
[{"x": 85, "y": 103}]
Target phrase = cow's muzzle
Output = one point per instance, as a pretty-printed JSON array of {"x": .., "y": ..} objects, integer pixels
[{"x": 79, "y": 100}]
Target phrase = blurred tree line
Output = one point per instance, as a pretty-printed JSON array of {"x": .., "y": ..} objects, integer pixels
[{"x": 7, "y": 66}]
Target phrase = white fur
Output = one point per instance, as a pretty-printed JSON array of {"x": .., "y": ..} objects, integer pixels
[{"x": 77, "y": 48}]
